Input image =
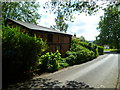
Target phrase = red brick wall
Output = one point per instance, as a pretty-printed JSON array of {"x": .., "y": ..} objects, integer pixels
[{"x": 62, "y": 41}]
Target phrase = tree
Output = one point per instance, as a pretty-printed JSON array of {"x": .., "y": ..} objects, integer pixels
[
  {"x": 64, "y": 11},
  {"x": 82, "y": 39},
  {"x": 60, "y": 23},
  {"x": 109, "y": 27},
  {"x": 24, "y": 11}
]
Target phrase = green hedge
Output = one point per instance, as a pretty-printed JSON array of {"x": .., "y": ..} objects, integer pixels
[
  {"x": 20, "y": 53},
  {"x": 91, "y": 47},
  {"x": 78, "y": 54},
  {"x": 100, "y": 50},
  {"x": 81, "y": 52}
]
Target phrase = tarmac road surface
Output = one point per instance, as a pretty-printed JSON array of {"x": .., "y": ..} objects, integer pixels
[{"x": 101, "y": 72}]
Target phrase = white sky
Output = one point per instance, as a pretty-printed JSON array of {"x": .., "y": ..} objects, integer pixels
[{"x": 83, "y": 25}]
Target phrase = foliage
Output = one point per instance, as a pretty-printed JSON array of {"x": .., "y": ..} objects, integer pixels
[
  {"x": 110, "y": 49},
  {"x": 70, "y": 59},
  {"x": 51, "y": 61},
  {"x": 23, "y": 11},
  {"x": 64, "y": 11},
  {"x": 109, "y": 27},
  {"x": 20, "y": 53},
  {"x": 100, "y": 50},
  {"x": 78, "y": 53},
  {"x": 82, "y": 39},
  {"x": 82, "y": 51},
  {"x": 63, "y": 63},
  {"x": 60, "y": 23},
  {"x": 90, "y": 46}
]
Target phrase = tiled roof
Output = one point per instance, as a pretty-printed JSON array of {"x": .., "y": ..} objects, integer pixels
[{"x": 37, "y": 27}]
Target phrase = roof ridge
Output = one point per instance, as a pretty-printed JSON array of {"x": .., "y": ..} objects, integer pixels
[
  {"x": 37, "y": 27},
  {"x": 33, "y": 24}
]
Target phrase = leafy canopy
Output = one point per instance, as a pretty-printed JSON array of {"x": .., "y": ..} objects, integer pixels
[
  {"x": 23, "y": 11},
  {"x": 109, "y": 27},
  {"x": 64, "y": 11}
]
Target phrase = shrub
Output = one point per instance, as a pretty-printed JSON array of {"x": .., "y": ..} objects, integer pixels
[
  {"x": 85, "y": 55},
  {"x": 71, "y": 59},
  {"x": 50, "y": 61},
  {"x": 82, "y": 51},
  {"x": 95, "y": 50},
  {"x": 100, "y": 50},
  {"x": 63, "y": 63},
  {"x": 20, "y": 53},
  {"x": 79, "y": 55},
  {"x": 91, "y": 47}
]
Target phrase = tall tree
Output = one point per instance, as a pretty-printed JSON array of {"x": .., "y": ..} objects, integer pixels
[
  {"x": 64, "y": 11},
  {"x": 109, "y": 27},
  {"x": 24, "y": 11},
  {"x": 60, "y": 22}
]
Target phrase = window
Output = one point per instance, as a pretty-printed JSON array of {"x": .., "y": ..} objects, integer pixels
[{"x": 50, "y": 38}]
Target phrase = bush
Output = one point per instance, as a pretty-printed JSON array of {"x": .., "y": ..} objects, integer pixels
[
  {"x": 85, "y": 54},
  {"x": 100, "y": 50},
  {"x": 79, "y": 55},
  {"x": 20, "y": 53},
  {"x": 71, "y": 59},
  {"x": 50, "y": 61},
  {"x": 82, "y": 51},
  {"x": 91, "y": 47},
  {"x": 63, "y": 63}
]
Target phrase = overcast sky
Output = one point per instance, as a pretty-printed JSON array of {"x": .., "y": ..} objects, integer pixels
[{"x": 83, "y": 25}]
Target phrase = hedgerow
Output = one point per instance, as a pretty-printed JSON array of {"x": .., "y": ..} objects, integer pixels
[
  {"x": 100, "y": 50},
  {"x": 79, "y": 55},
  {"x": 20, "y": 53},
  {"x": 81, "y": 52},
  {"x": 91, "y": 47}
]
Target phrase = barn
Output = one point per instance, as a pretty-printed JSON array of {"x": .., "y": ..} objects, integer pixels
[{"x": 56, "y": 40}]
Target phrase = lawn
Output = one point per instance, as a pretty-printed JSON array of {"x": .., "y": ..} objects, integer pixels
[{"x": 110, "y": 49}]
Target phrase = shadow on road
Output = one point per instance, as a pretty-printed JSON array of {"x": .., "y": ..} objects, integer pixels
[{"x": 46, "y": 84}]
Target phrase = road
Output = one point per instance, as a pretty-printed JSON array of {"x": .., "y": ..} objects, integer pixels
[{"x": 101, "y": 72}]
